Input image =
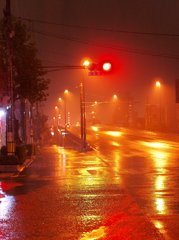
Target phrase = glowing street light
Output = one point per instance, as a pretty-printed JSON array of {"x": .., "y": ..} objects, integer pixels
[
  {"x": 158, "y": 84},
  {"x": 86, "y": 63}
]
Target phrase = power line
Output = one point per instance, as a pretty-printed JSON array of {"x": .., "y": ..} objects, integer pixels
[
  {"x": 156, "y": 54},
  {"x": 104, "y": 29},
  {"x": 108, "y": 46}
]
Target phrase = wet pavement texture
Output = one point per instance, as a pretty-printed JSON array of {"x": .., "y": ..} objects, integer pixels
[{"x": 120, "y": 190}]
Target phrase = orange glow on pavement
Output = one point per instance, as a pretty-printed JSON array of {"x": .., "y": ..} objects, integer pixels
[
  {"x": 156, "y": 144},
  {"x": 115, "y": 144},
  {"x": 114, "y": 134},
  {"x": 95, "y": 128}
]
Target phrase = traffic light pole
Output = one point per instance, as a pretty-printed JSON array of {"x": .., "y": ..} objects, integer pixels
[
  {"x": 94, "y": 70},
  {"x": 83, "y": 115},
  {"x": 81, "y": 110}
]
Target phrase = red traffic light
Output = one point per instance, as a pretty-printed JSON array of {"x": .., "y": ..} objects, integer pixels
[
  {"x": 106, "y": 66},
  {"x": 101, "y": 68}
]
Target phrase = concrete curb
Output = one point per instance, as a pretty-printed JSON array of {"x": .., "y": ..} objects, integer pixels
[{"x": 14, "y": 171}]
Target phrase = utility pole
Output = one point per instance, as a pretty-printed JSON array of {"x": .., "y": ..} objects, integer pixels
[
  {"x": 83, "y": 115},
  {"x": 10, "y": 112},
  {"x": 82, "y": 111}
]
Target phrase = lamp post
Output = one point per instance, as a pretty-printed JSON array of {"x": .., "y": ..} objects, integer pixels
[
  {"x": 86, "y": 63},
  {"x": 59, "y": 116},
  {"x": 115, "y": 114},
  {"x": 56, "y": 115},
  {"x": 158, "y": 84},
  {"x": 65, "y": 114}
]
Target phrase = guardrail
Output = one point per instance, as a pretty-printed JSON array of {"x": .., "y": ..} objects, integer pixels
[{"x": 71, "y": 141}]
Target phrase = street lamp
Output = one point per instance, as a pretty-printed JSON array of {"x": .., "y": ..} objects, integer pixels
[
  {"x": 59, "y": 116},
  {"x": 65, "y": 114},
  {"x": 56, "y": 115},
  {"x": 158, "y": 84},
  {"x": 115, "y": 116},
  {"x": 86, "y": 64}
]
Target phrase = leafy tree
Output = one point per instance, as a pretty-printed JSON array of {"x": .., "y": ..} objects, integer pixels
[
  {"x": 27, "y": 71},
  {"x": 28, "y": 82},
  {"x": 41, "y": 127}
]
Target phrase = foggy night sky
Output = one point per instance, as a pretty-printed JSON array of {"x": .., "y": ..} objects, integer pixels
[{"x": 67, "y": 44}]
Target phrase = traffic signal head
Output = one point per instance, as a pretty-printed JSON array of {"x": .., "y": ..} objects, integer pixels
[
  {"x": 106, "y": 66},
  {"x": 93, "y": 67},
  {"x": 97, "y": 69}
]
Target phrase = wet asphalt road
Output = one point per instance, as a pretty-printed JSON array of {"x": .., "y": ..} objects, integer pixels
[
  {"x": 126, "y": 188},
  {"x": 151, "y": 163}
]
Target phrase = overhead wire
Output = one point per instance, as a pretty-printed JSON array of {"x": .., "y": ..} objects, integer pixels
[
  {"x": 108, "y": 46},
  {"x": 105, "y": 29},
  {"x": 144, "y": 52}
]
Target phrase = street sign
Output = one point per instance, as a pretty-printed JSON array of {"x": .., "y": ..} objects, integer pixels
[
  {"x": 99, "y": 69},
  {"x": 96, "y": 73}
]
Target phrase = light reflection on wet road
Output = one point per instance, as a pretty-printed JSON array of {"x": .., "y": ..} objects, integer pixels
[
  {"x": 153, "y": 180},
  {"x": 126, "y": 189}
]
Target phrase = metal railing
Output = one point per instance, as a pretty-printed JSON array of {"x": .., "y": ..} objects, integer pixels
[{"x": 71, "y": 141}]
